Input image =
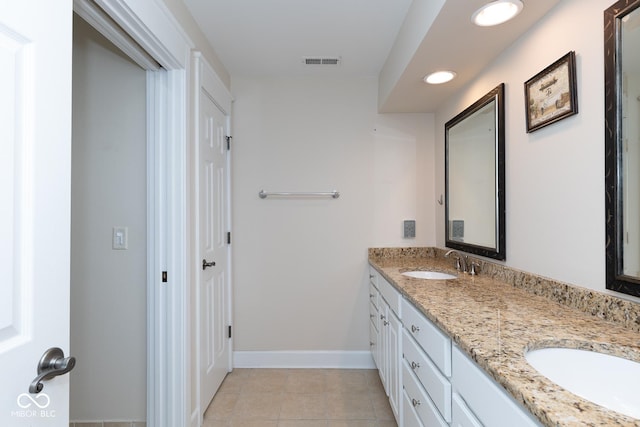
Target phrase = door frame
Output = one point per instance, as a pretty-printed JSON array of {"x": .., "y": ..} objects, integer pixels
[{"x": 151, "y": 36}]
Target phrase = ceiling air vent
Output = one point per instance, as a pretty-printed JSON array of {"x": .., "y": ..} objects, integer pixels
[{"x": 308, "y": 60}]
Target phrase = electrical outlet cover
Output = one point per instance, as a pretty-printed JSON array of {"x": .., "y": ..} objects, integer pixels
[{"x": 409, "y": 229}]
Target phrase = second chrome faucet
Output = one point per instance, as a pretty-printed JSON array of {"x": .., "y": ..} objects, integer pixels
[{"x": 462, "y": 262}]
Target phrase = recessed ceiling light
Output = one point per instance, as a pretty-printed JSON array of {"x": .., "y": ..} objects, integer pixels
[
  {"x": 497, "y": 12},
  {"x": 439, "y": 77}
]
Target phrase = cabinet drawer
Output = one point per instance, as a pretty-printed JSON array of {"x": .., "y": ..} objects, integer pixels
[
  {"x": 462, "y": 415},
  {"x": 374, "y": 343},
  {"x": 391, "y": 295},
  {"x": 434, "y": 342},
  {"x": 489, "y": 401},
  {"x": 374, "y": 316},
  {"x": 419, "y": 400},
  {"x": 374, "y": 297},
  {"x": 435, "y": 384},
  {"x": 373, "y": 276},
  {"x": 409, "y": 414}
]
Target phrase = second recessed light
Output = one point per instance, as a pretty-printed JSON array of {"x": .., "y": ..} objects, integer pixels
[{"x": 439, "y": 77}]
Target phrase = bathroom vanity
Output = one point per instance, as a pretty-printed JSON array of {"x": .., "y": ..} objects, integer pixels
[{"x": 452, "y": 351}]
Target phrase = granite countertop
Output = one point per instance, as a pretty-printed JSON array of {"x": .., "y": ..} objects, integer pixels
[{"x": 495, "y": 323}]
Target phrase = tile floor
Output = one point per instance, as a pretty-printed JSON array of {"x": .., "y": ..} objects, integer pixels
[{"x": 300, "y": 398}]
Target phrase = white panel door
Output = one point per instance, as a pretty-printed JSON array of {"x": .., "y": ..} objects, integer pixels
[
  {"x": 212, "y": 231},
  {"x": 35, "y": 181}
]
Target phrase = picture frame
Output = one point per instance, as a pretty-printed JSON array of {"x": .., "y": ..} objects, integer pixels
[{"x": 551, "y": 95}]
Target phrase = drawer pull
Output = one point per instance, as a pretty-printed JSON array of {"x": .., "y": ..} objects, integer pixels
[
  {"x": 385, "y": 323},
  {"x": 372, "y": 316},
  {"x": 382, "y": 317},
  {"x": 415, "y": 402},
  {"x": 372, "y": 295},
  {"x": 372, "y": 343},
  {"x": 371, "y": 276},
  {"x": 415, "y": 329},
  {"x": 415, "y": 365}
]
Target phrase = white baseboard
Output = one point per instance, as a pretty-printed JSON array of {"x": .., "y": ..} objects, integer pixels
[
  {"x": 303, "y": 359},
  {"x": 195, "y": 421}
]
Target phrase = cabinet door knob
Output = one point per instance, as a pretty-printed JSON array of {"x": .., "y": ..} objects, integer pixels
[
  {"x": 382, "y": 317},
  {"x": 371, "y": 295},
  {"x": 371, "y": 276},
  {"x": 385, "y": 323},
  {"x": 415, "y": 365},
  {"x": 415, "y": 329},
  {"x": 415, "y": 402},
  {"x": 372, "y": 316}
]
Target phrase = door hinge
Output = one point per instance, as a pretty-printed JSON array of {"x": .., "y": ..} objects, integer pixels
[
  {"x": 229, "y": 331},
  {"x": 229, "y": 142},
  {"x": 164, "y": 277},
  {"x": 228, "y": 237}
]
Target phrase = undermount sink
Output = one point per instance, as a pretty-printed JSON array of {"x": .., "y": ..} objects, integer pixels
[
  {"x": 432, "y": 275},
  {"x": 603, "y": 379}
]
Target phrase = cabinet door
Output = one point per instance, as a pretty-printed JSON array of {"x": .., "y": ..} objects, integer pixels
[
  {"x": 383, "y": 346},
  {"x": 394, "y": 331}
]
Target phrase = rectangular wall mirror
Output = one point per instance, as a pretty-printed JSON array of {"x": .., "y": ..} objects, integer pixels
[{"x": 474, "y": 178}]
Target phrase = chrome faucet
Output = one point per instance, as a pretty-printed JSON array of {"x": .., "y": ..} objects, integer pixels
[{"x": 461, "y": 260}]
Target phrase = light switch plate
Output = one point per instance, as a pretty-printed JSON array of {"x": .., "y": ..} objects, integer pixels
[
  {"x": 409, "y": 229},
  {"x": 120, "y": 238}
]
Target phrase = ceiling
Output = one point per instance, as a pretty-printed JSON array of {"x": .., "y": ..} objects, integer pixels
[{"x": 271, "y": 38}]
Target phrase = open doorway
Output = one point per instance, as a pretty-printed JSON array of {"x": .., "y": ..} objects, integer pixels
[{"x": 108, "y": 232}]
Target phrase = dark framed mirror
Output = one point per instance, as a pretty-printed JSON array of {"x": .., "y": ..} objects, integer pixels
[
  {"x": 622, "y": 145},
  {"x": 474, "y": 178}
]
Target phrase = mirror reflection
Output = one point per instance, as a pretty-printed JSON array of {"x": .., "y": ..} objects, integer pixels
[
  {"x": 474, "y": 177},
  {"x": 622, "y": 145}
]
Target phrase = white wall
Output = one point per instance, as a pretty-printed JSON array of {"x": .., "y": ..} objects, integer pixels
[
  {"x": 299, "y": 270},
  {"x": 108, "y": 287},
  {"x": 554, "y": 176}
]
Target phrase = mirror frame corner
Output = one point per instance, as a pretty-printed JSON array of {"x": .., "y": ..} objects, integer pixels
[{"x": 500, "y": 251}]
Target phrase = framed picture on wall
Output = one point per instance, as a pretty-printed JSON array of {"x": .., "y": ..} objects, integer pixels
[{"x": 551, "y": 94}]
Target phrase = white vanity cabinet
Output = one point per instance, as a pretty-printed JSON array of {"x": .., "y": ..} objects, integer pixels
[
  {"x": 430, "y": 381},
  {"x": 479, "y": 401},
  {"x": 426, "y": 368},
  {"x": 385, "y": 336}
]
